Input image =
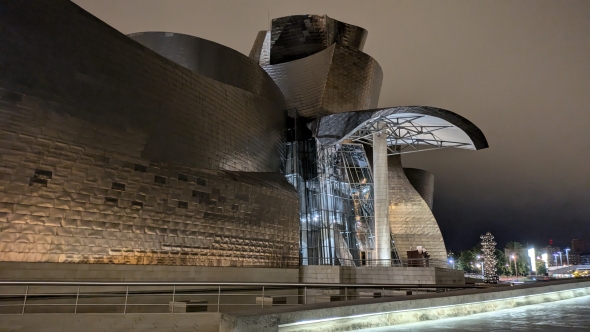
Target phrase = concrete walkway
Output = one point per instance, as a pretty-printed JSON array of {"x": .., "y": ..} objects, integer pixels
[
  {"x": 191, "y": 322},
  {"x": 335, "y": 316},
  {"x": 371, "y": 313}
]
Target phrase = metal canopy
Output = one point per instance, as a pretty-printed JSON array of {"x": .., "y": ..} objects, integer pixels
[{"x": 408, "y": 133}]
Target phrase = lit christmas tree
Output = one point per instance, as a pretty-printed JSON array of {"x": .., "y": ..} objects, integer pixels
[{"x": 488, "y": 246}]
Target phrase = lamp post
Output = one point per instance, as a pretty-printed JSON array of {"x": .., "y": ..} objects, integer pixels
[
  {"x": 555, "y": 258},
  {"x": 480, "y": 263},
  {"x": 560, "y": 259},
  {"x": 567, "y": 256},
  {"x": 451, "y": 261}
]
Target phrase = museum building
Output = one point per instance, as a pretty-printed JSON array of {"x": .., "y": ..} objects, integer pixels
[{"x": 160, "y": 148}]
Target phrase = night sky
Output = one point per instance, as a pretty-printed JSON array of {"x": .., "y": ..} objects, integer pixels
[{"x": 519, "y": 70}]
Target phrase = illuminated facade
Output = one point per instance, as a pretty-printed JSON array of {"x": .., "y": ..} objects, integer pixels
[
  {"x": 358, "y": 205},
  {"x": 163, "y": 148}
]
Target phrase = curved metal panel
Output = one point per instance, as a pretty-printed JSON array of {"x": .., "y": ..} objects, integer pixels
[
  {"x": 410, "y": 218},
  {"x": 354, "y": 82},
  {"x": 210, "y": 59},
  {"x": 303, "y": 81},
  {"x": 298, "y": 36},
  {"x": 336, "y": 127},
  {"x": 157, "y": 109},
  {"x": 423, "y": 183},
  {"x": 260, "y": 51},
  {"x": 335, "y": 80}
]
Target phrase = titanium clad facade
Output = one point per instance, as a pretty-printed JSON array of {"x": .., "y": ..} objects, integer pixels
[
  {"x": 335, "y": 80},
  {"x": 298, "y": 36},
  {"x": 211, "y": 60},
  {"x": 423, "y": 183},
  {"x": 303, "y": 82},
  {"x": 111, "y": 153},
  {"x": 410, "y": 217},
  {"x": 103, "y": 77},
  {"x": 260, "y": 51},
  {"x": 163, "y": 148},
  {"x": 332, "y": 89}
]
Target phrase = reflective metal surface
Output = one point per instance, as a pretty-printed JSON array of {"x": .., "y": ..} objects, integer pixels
[
  {"x": 110, "y": 153},
  {"x": 298, "y": 36},
  {"x": 212, "y": 60},
  {"x": 260, "y": 51},
  {"x": 108, "y": 91},
  {"x": 165, "y": 148},
  {"x": 335, "y": 80},
  {"x": 423, "y": 183},
  {"x": 410, "y": 218},
  {"x": 328, "y": 83}
]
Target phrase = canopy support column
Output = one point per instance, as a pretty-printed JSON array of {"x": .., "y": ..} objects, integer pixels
[{"x": 381, "y": 197}]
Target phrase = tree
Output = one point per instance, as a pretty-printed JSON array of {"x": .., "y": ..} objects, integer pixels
[
  {"x": 514, "y": 249},
  {"x": 502, "y": 265},
  {"x": 541, "y": 268},
  {"x": 466, "y": 261},
  {"x": 524, "y": 267}
]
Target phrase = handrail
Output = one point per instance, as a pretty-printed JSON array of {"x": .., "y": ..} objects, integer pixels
[
  {"x": 190, "y": 283},
  {"x": 131, "y": 296},
  {"x": 393, "y": 262}
]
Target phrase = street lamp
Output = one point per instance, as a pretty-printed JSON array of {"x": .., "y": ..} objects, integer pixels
[
  {"x": 451, "y": 261},
  {"x": 478, "y": 265},
  {"x": 567, "y": 257},
  {"x": 560, "y": 259},
  {"x": 478, "y": 259},
  {"x": 555, "y": 256}
]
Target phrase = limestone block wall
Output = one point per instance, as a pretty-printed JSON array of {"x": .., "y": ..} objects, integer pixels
[
  {"x": 118, "y": 272},
  {"x": 64, "y": 202},
  {"x": 410, "y": 217},
  {"x": 380, "y": 275}
]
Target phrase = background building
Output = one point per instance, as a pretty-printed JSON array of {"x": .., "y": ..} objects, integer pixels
[{"x": 578, "y": 248}]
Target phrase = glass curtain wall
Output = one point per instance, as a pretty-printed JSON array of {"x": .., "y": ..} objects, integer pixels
[{"x": 335, "y": 186}]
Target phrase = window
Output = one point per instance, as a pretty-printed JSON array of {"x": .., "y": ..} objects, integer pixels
[
  {"x": 111, "y": 200},
  {"x": 136, "y": 205},
  {"x": 243, "y": 197},
  {"x": 118, "y": 186},
  {"x": 201, "y": 195},
  {"x": 43, "y": 174},
  {"x": 36, "y": 182},
  {"x": 160, "y": 179},
  {"x": 40, "y": 179}
]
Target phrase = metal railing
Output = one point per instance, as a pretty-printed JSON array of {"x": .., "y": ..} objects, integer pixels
[
  {"x": 418, "y": 262},
  {"x": 20, "y": 297}
]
